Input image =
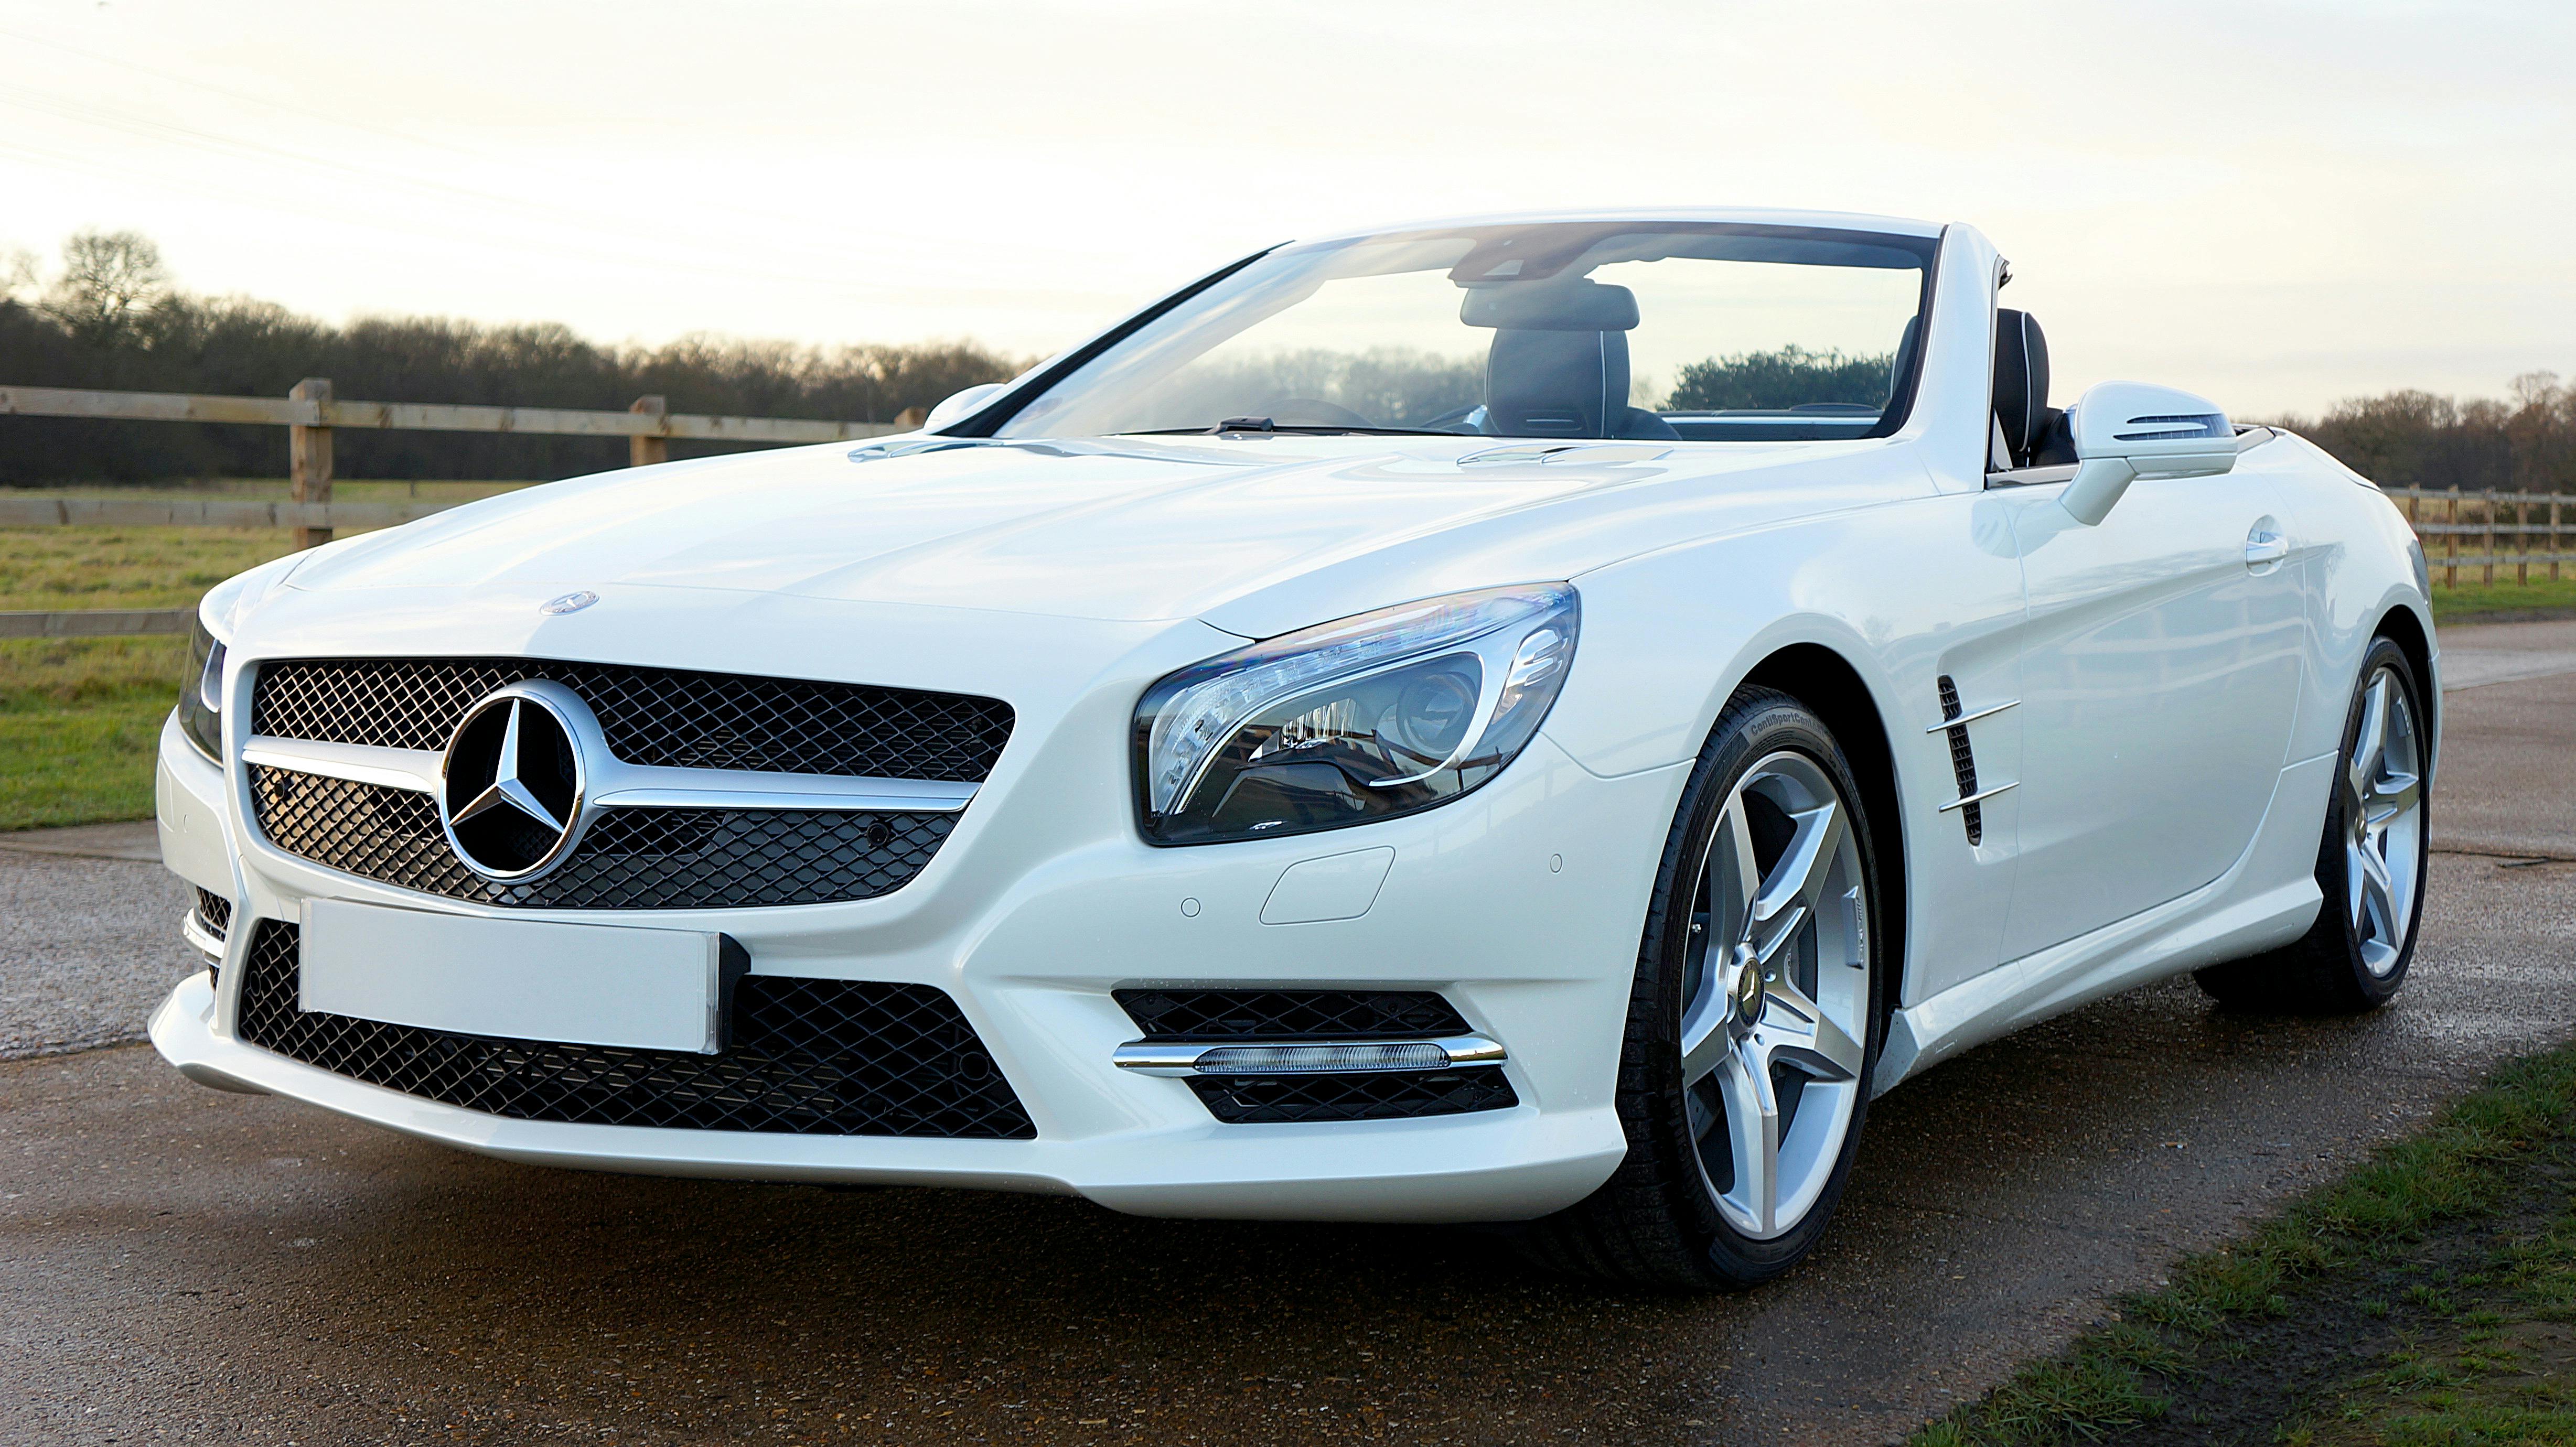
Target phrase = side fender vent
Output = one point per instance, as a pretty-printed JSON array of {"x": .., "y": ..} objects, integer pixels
[{"x": 1963, "y": 762}]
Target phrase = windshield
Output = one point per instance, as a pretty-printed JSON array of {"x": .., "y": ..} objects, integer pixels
[{"x": 1565, "y": 329}]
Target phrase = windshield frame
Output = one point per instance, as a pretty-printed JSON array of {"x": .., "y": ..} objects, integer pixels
[{"x": 990, "y": 419}]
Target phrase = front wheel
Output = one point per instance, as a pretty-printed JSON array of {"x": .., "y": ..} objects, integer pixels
[
  {"x": 1755, "y": 1019},
  {"x": 2370, "y": 865}
]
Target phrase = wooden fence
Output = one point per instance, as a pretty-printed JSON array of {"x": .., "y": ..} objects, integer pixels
[
  {"x": 310, "y": 414},
  {"x": 2501, "y": 526}
]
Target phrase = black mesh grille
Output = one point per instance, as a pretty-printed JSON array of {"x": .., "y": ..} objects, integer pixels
[
  {"x": 1383, "y": 1095},
  {"x": 1200, "y": 1014},
  {"x": 650, "y": 715},
  {"x": 1963, "y": 762},
  {"x": 629, "y": 858},
  {"x": 216, "y": 911},
  {"x": 809, "y": 1057}
]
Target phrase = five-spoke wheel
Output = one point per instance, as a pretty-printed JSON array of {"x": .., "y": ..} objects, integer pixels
[
  {"x": 2370, "y": 866},
  {"x": 1775, "y": 996},
  {"x": 2383, "y": 783},
  {"x": 1755, "y": 1019}
]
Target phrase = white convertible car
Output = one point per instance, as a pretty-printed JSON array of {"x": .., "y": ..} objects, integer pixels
[{"x": 1532, "y": 719}]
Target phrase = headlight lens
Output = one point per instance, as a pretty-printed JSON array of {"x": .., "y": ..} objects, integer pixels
[
  {"x": 201, "y": 692},
  {"x": 1374, "y": 716}
]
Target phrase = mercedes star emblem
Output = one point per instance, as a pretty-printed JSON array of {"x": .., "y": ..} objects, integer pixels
[{"x": 512, "y": 785}]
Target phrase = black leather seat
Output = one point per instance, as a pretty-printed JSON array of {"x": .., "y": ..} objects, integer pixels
[
  {"x": 2035, "y": 434},
  {"x": 1558, "y": 365}
]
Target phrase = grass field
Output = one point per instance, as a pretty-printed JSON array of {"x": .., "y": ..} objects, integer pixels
[{"x": 79, "y": 718}]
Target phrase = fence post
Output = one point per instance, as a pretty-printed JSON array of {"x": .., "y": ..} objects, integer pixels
[
  {"x": 643, "y": 451},
  {"x": 2451, "y": 542},
  {"x": 308, "y": 458},
  {"x": 2487, "y": 577},
  {"x": 2521, "y": 539},
  {"x": 2553, "y": 539}
]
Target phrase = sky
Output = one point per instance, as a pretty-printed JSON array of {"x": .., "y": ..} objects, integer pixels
[{"x": 2275, "y": 204}]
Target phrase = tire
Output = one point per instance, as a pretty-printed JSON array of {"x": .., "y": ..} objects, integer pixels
[
  {"x": 2370, "y": 864},
  {"x": 1684, "y": 1209}
]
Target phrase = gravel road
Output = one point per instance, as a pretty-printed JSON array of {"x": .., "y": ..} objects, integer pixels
[{"x": 185, "y": 1265}]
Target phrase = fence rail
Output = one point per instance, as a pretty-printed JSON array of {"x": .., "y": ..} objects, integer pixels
[
  {"x": 2517, "y": 530},
  {"x": 96, "y": 623},
  {"x": 118, "y": 512},
  {"x": 318, "y": 409}
]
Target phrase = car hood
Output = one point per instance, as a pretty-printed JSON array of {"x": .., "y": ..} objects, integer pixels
[{"x": 1124, "y": 529}]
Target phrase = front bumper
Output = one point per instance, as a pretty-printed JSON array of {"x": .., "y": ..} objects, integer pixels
[{"x": 1520, "y": 904}]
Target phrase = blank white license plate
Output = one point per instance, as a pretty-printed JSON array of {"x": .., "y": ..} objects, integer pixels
[{"x": 652, "y": 989}]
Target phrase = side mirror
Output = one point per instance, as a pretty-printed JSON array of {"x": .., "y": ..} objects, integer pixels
[
  {"x": 959, "y": 405},
  {"x": 2128, "y": 430}
]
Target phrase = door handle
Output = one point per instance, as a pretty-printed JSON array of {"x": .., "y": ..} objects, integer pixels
[{"x": 2265, "y": 546}]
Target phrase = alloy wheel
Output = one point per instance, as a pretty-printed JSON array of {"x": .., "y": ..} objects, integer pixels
[
  {"x": 2383, "y": 822},
  {"x": 1775, "y": 995}
]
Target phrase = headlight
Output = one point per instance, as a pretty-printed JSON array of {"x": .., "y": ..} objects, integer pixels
[
  {"x": 1378, "y": 715},
  {"x": 201, "y": 692}
]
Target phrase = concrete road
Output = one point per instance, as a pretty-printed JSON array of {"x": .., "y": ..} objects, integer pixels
[{"x": 182, "y": 1265}]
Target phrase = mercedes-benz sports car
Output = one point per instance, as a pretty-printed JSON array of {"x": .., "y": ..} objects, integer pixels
[{"x": 1531, "y": 719}]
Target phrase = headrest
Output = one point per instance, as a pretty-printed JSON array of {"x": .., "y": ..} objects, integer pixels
[
  {"x": 2021, "y": 381},
  {"x": 1556, "y": 384},
  {"x": 1579, "y": 305}
]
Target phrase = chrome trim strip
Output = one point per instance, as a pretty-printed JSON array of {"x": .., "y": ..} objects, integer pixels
[
  {"x": 1182, "y": 1059},
  {"x": 197, "y": 933},
  {"x": 639, "y": 786},
  {"x": 413, "y": 769},
  {"x": 634, "y": 786},
  {"x": 1947, "y": 724},
  {"x": 1979, "y": 797}
]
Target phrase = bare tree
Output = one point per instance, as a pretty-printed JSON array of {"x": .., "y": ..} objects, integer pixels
[
  {"x": 17, "y": 272},
  {"x": 110, "y": 281}
]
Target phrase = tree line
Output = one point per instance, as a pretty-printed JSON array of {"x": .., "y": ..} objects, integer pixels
[
  {"x": 2525, "y": 442},
  {"x": 108, "y": 317}
]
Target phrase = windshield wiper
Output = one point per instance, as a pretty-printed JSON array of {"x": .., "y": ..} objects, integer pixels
[{"x": 1302, "y": 429}]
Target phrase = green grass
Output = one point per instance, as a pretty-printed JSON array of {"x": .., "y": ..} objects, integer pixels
[
  {"x": 80, "y": 719},
  {"x": 125, "y": 567},
  {"x": 2472, "y": 600},
  {"x": 2503, "y": 1372},
  {"x": 2452, "y": 1386},
  {"x": 79, "y": 722}
]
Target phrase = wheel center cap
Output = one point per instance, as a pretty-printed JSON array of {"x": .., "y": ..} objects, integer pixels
[{"x": 1748, "y": 987}]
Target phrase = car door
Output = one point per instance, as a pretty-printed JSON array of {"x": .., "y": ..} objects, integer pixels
[{"x": 2161, "y": 668}]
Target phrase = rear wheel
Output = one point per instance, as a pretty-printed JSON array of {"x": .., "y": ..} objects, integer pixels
[
  {"x": 2370, "y": 866},
  {"x": 1744, "y": 1078}
]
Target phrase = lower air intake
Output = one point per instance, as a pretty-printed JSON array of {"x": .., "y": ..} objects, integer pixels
[
  {"x": 810, "y": 1057},
  {"x": 1183, "y": 1015},
  {"x": 1378, "y": 1095}
]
